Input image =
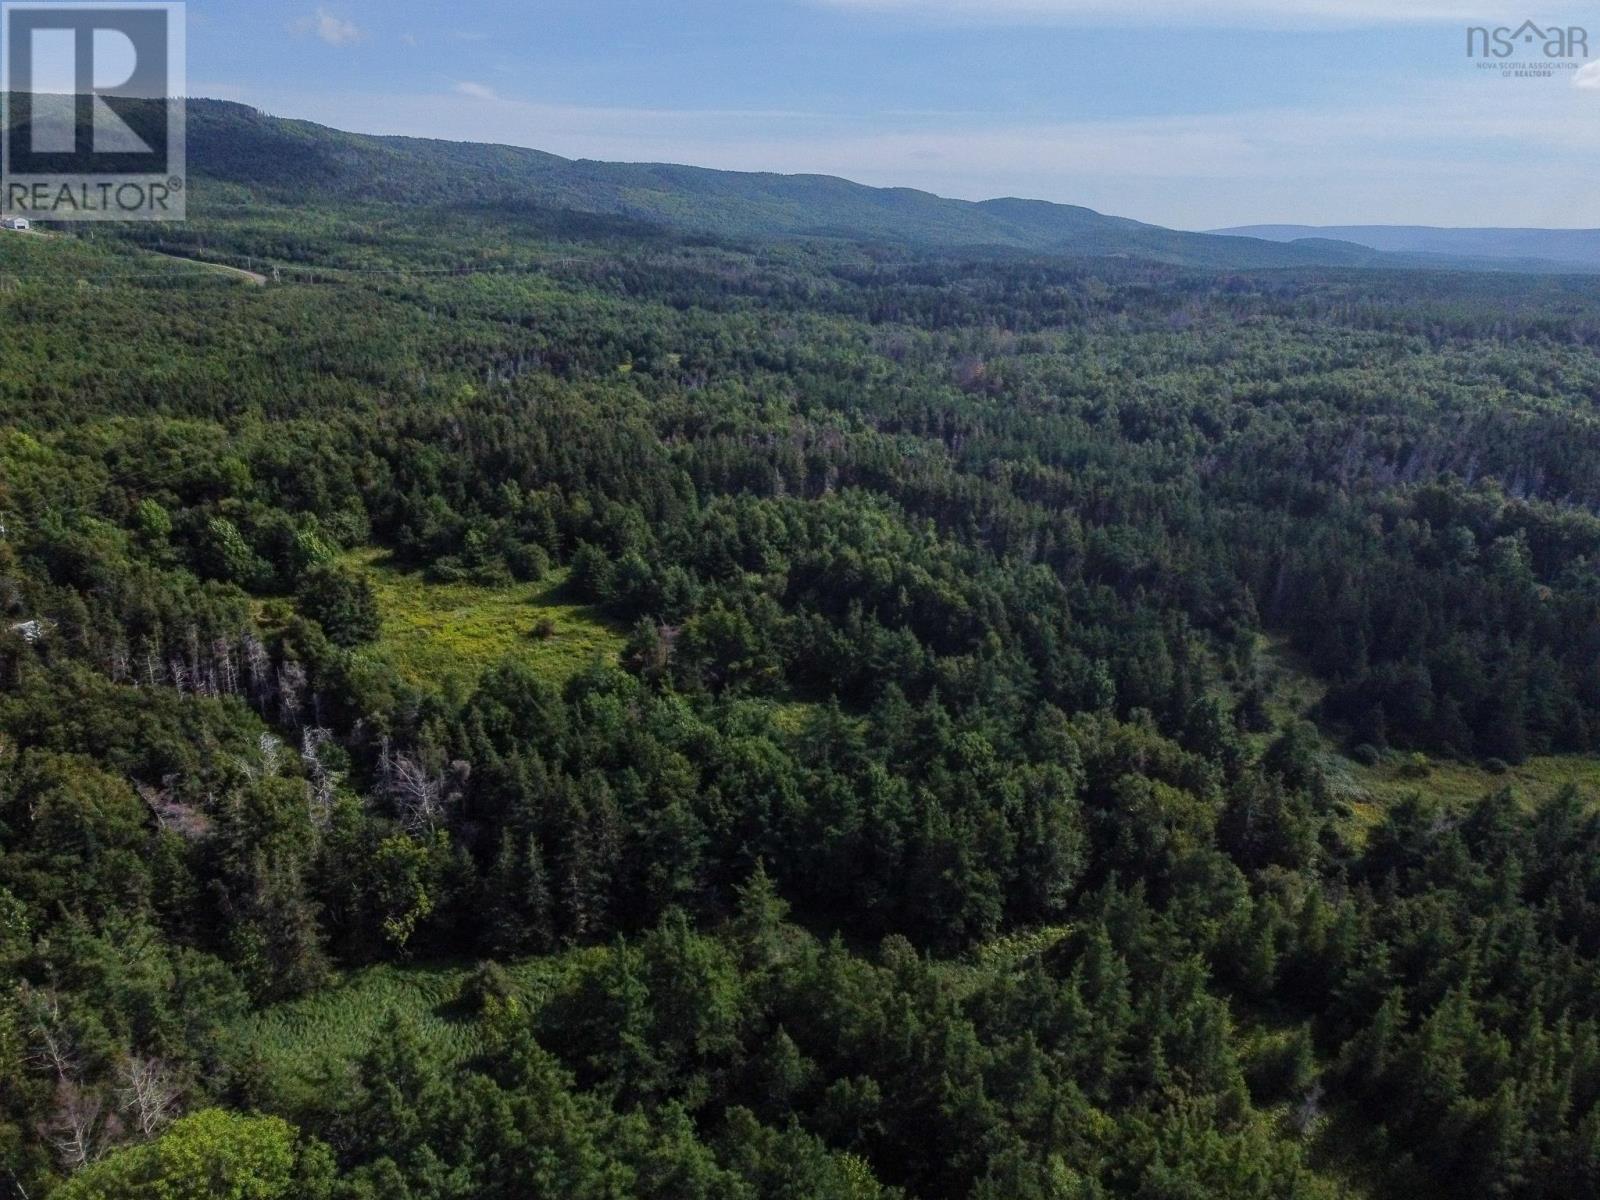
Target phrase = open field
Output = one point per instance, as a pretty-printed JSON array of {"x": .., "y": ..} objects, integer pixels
[
  {"x": 1534, "y": 782},
  {"x": 439, "y": 632}
]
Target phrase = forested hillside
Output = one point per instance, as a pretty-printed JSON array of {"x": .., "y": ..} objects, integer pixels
[
  {"x": 530, "y": 704},
  {"x": 286, "y": 160}
]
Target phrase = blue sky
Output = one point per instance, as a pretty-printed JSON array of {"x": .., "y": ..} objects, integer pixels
[{"x": 1176, "y": 111}]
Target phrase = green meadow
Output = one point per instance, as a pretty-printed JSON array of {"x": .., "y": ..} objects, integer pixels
[{"x": 437, "y": 633}]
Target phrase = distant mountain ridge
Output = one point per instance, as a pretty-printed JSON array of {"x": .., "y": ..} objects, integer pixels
[
  {"x": 1570, "y": 248},
  {"x": 293, "y": 162},
  {"x": 289, "y": 159}
]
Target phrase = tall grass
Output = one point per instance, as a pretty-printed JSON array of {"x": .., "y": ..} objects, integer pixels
[{"x": 436, "y": 633}]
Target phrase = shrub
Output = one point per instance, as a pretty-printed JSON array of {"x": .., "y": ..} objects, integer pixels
[
  {"x": 1367, "y": 754},
  {"x": 1416, "y": 766},
  {"x": 490, "y": 981},
  {"x": 528, "y": 563}
]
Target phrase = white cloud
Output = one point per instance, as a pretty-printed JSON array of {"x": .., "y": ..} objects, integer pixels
[
  {"x": 336, "y": 31},
  {"x": 1227, "y": 13},
  {"x": 1588, "y": 76},
  {"x": 477, "y": 91}
]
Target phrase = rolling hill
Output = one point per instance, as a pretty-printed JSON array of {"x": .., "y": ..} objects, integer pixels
[
  {"x": 287, "y": 159},
  {"x": 1567, "y": 249}
]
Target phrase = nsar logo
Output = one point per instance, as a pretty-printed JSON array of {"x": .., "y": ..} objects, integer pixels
[{"x": 1555, "y": 41}]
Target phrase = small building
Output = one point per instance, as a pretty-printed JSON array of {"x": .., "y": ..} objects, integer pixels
[{"x": 15, "y": 223}]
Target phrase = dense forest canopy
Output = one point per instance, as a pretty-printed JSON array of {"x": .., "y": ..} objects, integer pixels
[{"x": 952, "y": 796}]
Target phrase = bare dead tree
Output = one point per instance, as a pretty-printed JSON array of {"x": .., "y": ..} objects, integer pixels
[
  {"x": 148, "y": 1093},
  {"x": 418, "y": 796},
  {"x": 257, "y": 670},
  {"x": 76, "y": 1125},
  {"x": 182, "y": 819},
  {"x": 271, "y": 754},
  {"x": 54, "y": 1052},
  {"x": 320, "y": 781},
  {"x": 118, "y": 665},
  {"x": 225, "y": 667},
  {"x": 192, "y": 645},
  {"x": 52, "y": 1048},
  {"x": 1309, "y": 1111},
  {"x": 291, "y": 692}
]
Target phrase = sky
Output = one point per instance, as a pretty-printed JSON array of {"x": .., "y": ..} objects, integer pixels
[{"x": 1187, "y": 113}]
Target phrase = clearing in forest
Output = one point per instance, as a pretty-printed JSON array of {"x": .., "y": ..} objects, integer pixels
[{"x": 439, "y": 632}]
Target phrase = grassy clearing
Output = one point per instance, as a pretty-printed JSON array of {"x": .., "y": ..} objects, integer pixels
[
  {"x": 435, "y": 633},
  {"x": 304, "y": 1040},
  {"x": 295, "y": 1041},
  {"x": 1534, "y": 782},
  {"x": 1294, "y": 693}
]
